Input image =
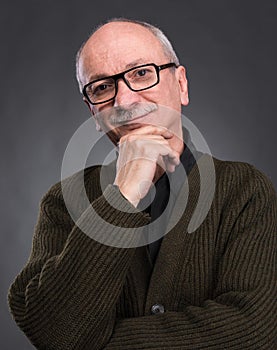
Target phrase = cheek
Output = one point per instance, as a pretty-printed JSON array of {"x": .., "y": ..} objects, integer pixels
[
  {"x": 171, "y": 98},
  {"x": 102, "y": 107},
  {"x": 104, "y": 123},
  {"x": 100, "y": 110},
  {"x": 170, "y": 92}
]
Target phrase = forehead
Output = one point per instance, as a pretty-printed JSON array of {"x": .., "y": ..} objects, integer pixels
[{"x": 116, "y": 46}]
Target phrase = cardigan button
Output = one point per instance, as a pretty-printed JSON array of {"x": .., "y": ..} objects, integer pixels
[{"x": 157, "y": 309}]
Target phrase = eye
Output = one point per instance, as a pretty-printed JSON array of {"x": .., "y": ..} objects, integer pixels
[
  {"x": 142, "y": 72},
  {"x": 102, "y": 88}
]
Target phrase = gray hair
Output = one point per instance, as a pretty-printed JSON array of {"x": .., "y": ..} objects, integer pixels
[{"x": 165, "y": 43}]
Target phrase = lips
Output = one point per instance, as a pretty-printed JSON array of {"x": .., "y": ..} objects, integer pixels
[
  {"x": 134, "y": 120},
  {"x": 131, "y": 126},
  {"x": 126, "y": 115}
]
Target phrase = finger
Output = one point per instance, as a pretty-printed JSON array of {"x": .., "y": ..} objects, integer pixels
[
  {"x": 150, "y": 147},
  {"x": 142, "y": 140},
  {"x": 172, "y": 157},
  {"x": 165, "y": 151},
  {"x": 170, "y": 167},
  {"x": 151, "y": 130}
]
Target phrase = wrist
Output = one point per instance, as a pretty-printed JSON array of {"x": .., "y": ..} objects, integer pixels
[{"x": 132, "y": 199}]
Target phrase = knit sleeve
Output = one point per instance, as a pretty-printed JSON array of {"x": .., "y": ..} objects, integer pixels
[
  {"x": 57, "y": 299},
  {"x": 242, "y": 312}
]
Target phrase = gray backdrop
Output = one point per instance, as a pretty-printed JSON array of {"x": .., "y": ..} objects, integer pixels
[{"x": 228, "y": 47}]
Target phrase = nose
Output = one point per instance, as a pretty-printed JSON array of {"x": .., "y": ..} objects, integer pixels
[{"x": 125, "y": 96}]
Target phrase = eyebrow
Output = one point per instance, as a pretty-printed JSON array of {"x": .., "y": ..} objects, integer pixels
[
  {"x": 135, "y": 63},
  {"x": 129, "y": 65}
]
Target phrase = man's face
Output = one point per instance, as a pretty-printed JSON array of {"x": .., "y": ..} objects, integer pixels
[{"x": 116, "y": 47}]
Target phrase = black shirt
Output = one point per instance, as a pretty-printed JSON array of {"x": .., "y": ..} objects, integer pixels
[{"x": 164, "y": 194}]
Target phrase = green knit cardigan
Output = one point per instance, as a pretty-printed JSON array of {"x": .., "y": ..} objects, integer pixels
[{"x": 217, "y": 285}]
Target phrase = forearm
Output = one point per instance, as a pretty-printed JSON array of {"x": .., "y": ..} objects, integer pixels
[
  {"x": 70, "y": 297},
  {"x": 235, "y": 324}
]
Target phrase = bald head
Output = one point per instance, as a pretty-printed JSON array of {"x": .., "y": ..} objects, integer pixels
[{"x": 115, "y": 39}]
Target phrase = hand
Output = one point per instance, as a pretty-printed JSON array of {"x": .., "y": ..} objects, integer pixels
[{"x": 140, "y": 151}]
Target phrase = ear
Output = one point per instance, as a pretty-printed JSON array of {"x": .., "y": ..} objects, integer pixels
[
  {"x": 183, "y": 85},
  {"x": 93, "y": 113}
]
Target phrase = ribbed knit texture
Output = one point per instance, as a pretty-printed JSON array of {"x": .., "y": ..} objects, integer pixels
[{"x": 217, "y": 284}]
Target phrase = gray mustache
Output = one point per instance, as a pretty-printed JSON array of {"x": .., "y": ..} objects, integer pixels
[{"x": 121, "y": 115}]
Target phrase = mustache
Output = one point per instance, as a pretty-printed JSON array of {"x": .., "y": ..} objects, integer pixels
[{"x": 119, "y": 115}]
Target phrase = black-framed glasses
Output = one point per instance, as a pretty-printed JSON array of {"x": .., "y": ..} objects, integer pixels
[{"x": 137, "y": 79}]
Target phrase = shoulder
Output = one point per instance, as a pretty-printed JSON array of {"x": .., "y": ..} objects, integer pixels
[
  {"x": 88, "y": 177},
  {"x": 243, "y": 180},
  {"x": 72, "y": 194}
]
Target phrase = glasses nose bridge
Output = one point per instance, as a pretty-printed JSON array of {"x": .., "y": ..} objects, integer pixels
[
  {"x": 121, "y": 76},
  {"x": 124, "y": 94}
]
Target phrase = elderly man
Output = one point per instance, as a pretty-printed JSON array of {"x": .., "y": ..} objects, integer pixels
[{"x": 213, "y": 288}]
